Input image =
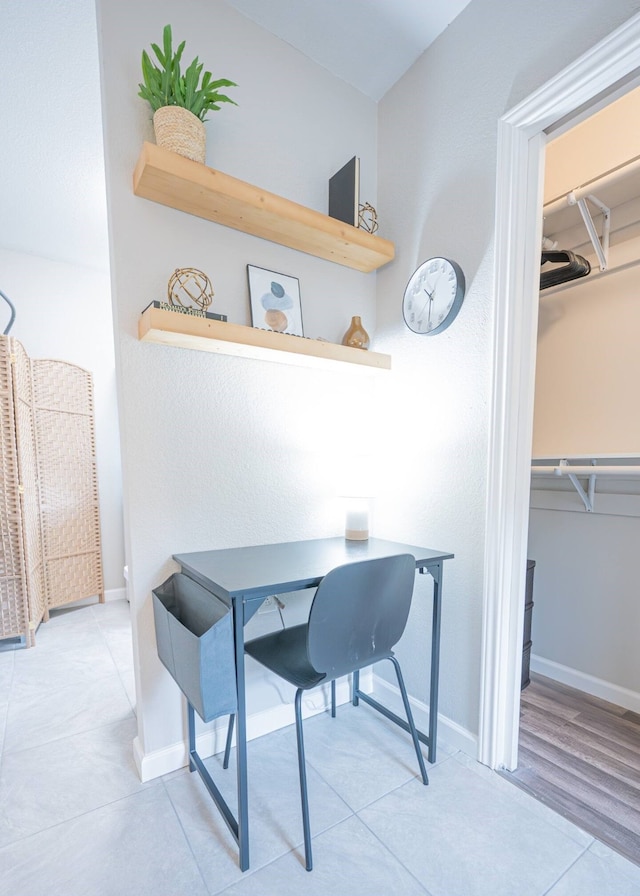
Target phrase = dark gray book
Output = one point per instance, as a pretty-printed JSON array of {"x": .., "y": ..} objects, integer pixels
[{"x": 344, "y": 193}]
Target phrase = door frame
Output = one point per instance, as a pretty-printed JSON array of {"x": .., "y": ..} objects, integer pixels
[{"x": 607, "y": 70}]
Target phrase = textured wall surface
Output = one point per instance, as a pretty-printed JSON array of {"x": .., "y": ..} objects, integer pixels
[
  {"x": 54, "y": 251},
  {"x": 52, "y": 174},
  {"x": 588, "y": 356},
  {"x": 437, "y": 158},
  {"x": 586, "y": 611},
  {"x": 221, "y": 451}
]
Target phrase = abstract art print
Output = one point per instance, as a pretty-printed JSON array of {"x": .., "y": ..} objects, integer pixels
[{"x": 275, "y": 301}]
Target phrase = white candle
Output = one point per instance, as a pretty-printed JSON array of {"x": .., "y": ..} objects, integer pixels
[{"x": 357, "y": 523}]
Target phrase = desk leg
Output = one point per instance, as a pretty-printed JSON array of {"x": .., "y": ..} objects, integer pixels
[
  {"x": 436, "y": 572},
  {"x": 430, "y": 740},
  {"x": 241, "y": 737}
]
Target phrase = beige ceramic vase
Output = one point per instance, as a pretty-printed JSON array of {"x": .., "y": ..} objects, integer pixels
[
  {"x": 181, "y": 131},
  {"x": 356, "y": 336}
]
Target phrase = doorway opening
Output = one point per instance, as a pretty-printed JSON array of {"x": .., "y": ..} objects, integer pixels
[
  {"x": 579, "y": 735},
  {"x": 603, "y": 74}
]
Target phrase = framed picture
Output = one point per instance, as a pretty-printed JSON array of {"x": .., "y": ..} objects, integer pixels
[{"x": 275, "y": 301}]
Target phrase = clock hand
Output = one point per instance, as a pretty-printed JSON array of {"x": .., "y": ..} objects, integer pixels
[
  {"x": 430, "y": 294},
  {"x": 430, "y": 299}
]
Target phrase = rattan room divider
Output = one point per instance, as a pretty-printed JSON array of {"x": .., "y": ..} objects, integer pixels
[{"x": 49, "y": 512}]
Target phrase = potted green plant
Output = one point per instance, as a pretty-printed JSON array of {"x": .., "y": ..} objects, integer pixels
[{"x": 179, "y": 100}]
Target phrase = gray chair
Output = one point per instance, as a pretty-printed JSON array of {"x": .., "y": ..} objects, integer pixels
[{"x": 358, "y": 615}]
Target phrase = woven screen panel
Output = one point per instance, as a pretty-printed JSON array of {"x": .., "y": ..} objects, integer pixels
[
  {"x": 80, "y": 576},
  {"x": 14, "y": 608},
  {"x": 60, "y": 386},
  {"x": 30, "y": 491},
  {"x": 66, "y": 456}
]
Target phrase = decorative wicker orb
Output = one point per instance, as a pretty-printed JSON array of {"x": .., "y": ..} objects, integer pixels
[
  {"x": 190, "y": 288},
  {"x": 367, "y": 217}
]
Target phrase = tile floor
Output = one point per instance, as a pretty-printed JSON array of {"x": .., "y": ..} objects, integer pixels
[{"x": 76, "y": 821}]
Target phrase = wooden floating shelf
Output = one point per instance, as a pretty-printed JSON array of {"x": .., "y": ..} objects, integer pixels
[
  {"x": 173, "y": 180},
  {"x": 190, "y": 331}
]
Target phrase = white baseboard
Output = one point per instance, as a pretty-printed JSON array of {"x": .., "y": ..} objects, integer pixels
[
  {"x": 211, "y": 741},
  {"x": 613, "y": 693},
  {"x": 449, "y": 732},
  {"x": 109, "y": 595}
]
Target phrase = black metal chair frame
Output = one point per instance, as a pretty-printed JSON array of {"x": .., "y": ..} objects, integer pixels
[{"x": 357, "y": 616}]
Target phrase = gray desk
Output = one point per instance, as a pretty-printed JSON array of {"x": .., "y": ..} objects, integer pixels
[{"x": 245, "y": 577}]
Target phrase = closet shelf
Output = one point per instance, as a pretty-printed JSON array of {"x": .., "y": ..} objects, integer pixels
[
  {"x": 625, "y": 470},
  {"x": 202, "y": 334},
  {"x": 173, "y": 180}
]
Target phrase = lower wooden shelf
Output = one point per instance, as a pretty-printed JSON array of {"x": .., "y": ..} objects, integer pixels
[{"x": 190, "y": 331}]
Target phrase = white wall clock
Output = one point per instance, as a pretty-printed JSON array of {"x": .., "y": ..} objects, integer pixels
[{"x": 433, "y": 296}]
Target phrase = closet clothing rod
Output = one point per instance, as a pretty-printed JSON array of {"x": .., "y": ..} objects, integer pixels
[
  {"x": 592, "y": 187},
  {"x": 627, "y": 472},
  {"x": 591, "y": 471}
]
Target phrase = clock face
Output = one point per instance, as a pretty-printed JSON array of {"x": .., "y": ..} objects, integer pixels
[{"x": 433, "y": 296}]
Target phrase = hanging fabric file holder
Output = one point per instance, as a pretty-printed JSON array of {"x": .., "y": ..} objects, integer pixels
[{"x": 194, "y": 637}]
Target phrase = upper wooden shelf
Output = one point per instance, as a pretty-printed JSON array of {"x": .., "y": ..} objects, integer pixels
[
  {"x": 191, "y": 331},
  {"x": 170, "y": 179}
]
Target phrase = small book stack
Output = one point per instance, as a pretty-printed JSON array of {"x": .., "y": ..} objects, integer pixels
[{"x": 179, "y": 309}]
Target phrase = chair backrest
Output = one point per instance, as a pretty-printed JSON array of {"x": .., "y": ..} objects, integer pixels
[{"x": 359, "y": 613}]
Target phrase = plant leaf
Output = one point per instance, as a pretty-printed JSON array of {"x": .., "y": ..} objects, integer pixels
[
  {"x": 167, "y": 86},
  {"x": 223, "y": 82},
  {"x": 166, "y": 40},
  {"x": 159, "y": 54}
]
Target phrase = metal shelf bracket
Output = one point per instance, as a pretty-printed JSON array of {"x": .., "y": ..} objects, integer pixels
[
  {"x": 586, "y": 496},
  {"x": 601, "y": 245}
]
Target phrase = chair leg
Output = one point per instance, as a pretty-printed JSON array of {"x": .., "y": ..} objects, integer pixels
[
  {"x": 412, "y": 727},
  {"x": 191, "y": 724},
  {"x": 333, "y": 699},
  {"x": 356, "y": 685},
  {"x": 304, "y": 798},
  {"x": 227, "y": 749}
]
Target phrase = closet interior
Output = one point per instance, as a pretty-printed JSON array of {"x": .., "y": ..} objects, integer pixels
[{"x": 580, "y": 717}]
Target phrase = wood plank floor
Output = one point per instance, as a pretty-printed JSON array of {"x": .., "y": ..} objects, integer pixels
[{"x": 581, "y": 756}]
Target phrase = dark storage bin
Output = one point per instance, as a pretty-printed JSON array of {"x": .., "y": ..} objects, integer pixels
[
  {"x": 194, "y": 637},
  {"x": 526, "y": 636}
]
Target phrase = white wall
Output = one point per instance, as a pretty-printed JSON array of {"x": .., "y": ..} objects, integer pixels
[
  {"x": 52, "y": 176},
  {"x": 601, "y": 144},
  {"x": 53, "y": 233},
  {"x": 263, "y": 478},
  {"x": 586, "y": 611},
  {"x": 222, "y": 451},
  {"x": 63, "y": 311},
  {"x": 587, "y": 355},
  {"x": 437, "y": 170}
]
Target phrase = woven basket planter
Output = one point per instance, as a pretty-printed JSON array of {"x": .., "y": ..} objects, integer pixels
[{"x": 180, "y": 131}]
